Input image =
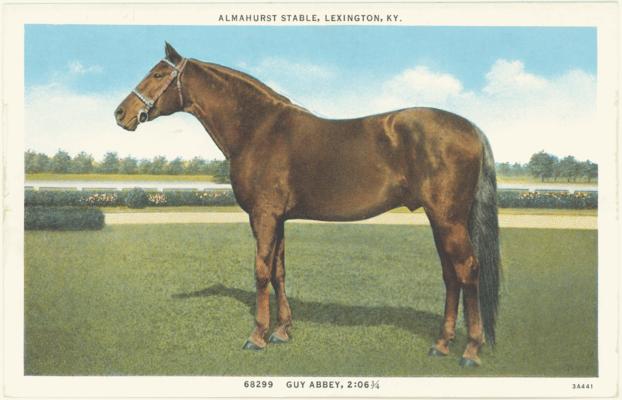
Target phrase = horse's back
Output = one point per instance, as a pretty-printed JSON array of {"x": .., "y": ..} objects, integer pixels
[{"x": 360, "y": 167}]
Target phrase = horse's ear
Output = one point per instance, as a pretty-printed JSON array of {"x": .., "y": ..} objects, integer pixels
[{"x": 171, "y": 54}]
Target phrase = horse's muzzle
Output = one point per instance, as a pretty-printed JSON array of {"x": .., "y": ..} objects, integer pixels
[{"x": 119, "y": 115}]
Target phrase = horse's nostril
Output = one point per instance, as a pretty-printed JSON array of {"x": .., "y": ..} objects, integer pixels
[
  {"x": 119, "y": 113},
  {"x": 142, "y": 116}
]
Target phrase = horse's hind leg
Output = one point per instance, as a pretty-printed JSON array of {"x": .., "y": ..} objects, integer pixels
[
  {"x": 281, "y": 333},
  {"x": 460, "y": 271}
]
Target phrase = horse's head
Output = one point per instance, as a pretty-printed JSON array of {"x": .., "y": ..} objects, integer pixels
[{"x": 159, "y": 93}]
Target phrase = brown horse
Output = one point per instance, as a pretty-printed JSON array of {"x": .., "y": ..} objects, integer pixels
[{"x": 287, "y": 163}]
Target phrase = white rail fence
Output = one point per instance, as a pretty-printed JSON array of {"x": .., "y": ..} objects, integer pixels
[
  {"x": 198, "y": 185},
  {"x": 124, "y": 185}
]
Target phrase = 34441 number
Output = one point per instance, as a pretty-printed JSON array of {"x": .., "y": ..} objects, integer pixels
[{"x": 582, "y": 386}]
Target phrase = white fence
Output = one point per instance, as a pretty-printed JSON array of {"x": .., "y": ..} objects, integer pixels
[
  {"x": 125, "y": 185},
  {"x": 198, "y": 185}
]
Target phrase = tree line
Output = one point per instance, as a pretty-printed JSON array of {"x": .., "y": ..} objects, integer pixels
[
  {"x": 541, "y": 165},
  {"x": 545, "y": 166},
  {"x": 111, "y": 163}
]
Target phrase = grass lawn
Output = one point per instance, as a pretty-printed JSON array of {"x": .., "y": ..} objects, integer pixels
[
  {"x": 530, "y": 179},
  {"x": 118, "y": 177},
  {"x": 367, "y": 301},
  {"x": 208, "y": 178},
  {"x": 548, "y": 211}
]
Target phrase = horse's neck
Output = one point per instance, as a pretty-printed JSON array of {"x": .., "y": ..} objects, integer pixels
[{"x": 229, "y": 112}]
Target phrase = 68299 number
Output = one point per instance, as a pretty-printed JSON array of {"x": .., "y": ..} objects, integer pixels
[{"x": 259, "y": 384}]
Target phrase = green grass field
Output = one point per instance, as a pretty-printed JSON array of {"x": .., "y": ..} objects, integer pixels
[
  {"x": 208, "y": 178},
  {"x": 366, "y": 299},
  {"x": 119, "y": 177},
  {"x": 531, "y": 179}
]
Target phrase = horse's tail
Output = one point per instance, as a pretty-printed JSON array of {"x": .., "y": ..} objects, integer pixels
[{"x": 484, "y": 232}]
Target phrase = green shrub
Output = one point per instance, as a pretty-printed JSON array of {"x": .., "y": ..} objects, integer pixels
[
  {"x": 199, "y": 198},
  {"x": 63, "y": 218},
  {"x": 136, "y": 198},
  {"x": 73, "y": 198}
]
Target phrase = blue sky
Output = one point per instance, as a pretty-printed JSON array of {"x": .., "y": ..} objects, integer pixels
[
  {"x": 125, "y": 53},
  {"x": 327, "y": 69}
]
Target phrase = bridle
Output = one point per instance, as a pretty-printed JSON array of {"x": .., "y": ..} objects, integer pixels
[{"x": 175, "y": 75}]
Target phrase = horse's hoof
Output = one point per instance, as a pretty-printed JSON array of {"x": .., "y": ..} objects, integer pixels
[
  {"x": 434, "y": 352},
  {"x": 276, "y": 339},
  {"x": 468, "y": 363},
  {"x": 248, "y": 345}
]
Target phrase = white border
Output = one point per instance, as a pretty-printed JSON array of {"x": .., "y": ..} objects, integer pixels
[{"x": 603, "y": 15}]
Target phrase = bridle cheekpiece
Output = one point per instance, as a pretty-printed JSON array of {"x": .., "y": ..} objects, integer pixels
[{"x": 175, "y": 75}]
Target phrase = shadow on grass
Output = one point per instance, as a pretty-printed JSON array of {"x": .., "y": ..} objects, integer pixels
[{"x": 421, "y": 323}]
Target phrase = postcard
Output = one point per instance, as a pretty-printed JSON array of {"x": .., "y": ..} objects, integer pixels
[{"x": 251, "y": 200}]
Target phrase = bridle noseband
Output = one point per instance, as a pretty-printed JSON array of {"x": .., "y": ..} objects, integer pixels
[{"x": 143, "y": 113}]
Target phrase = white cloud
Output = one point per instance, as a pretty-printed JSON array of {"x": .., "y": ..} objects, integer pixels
[
  {"x": 419, "y": 84},
  {"x": 510, "y": 78},
  {"x": 521, "y": 112},
  {"x": 76, "y": 67},
  {"x": 57, "y": 118}
]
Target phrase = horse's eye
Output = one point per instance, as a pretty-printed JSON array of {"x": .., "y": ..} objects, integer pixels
[{"x": 158, "y": 75}]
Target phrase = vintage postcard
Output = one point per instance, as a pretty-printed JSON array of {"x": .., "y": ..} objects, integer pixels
[{"x": 251, "y": 200}]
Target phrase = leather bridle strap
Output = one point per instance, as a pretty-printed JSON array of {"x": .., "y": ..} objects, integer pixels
[{"x": 174, "y": 75}]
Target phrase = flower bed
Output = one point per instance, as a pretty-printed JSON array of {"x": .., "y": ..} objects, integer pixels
[
  {"x": 576, "y": 200},
  {"x": 119, "y": 198},
  {"x": 172, "y": 198}
]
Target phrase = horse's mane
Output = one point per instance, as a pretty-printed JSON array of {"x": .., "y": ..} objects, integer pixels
[{"x": 251, "y": 82}]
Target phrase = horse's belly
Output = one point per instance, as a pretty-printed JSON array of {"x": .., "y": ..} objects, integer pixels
[
  {"x": 347, "y": 202},
  {"x": 352, "y": 178}
]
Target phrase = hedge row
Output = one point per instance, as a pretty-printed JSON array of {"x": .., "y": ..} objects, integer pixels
[
  {"x": 122, "y": 198},
  {"x": 63, "y": 218},
  {"x": 576, "y": 200},
  {"x": 136, "y": 198}
]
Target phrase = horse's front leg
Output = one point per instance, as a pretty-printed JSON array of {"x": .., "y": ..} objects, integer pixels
[
  {"x": 265, "y": 229},
  {"x": 281, "y": 333}
]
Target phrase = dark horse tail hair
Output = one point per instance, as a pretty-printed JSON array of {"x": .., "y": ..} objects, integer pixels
[{"x": 484, "y": 233}]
